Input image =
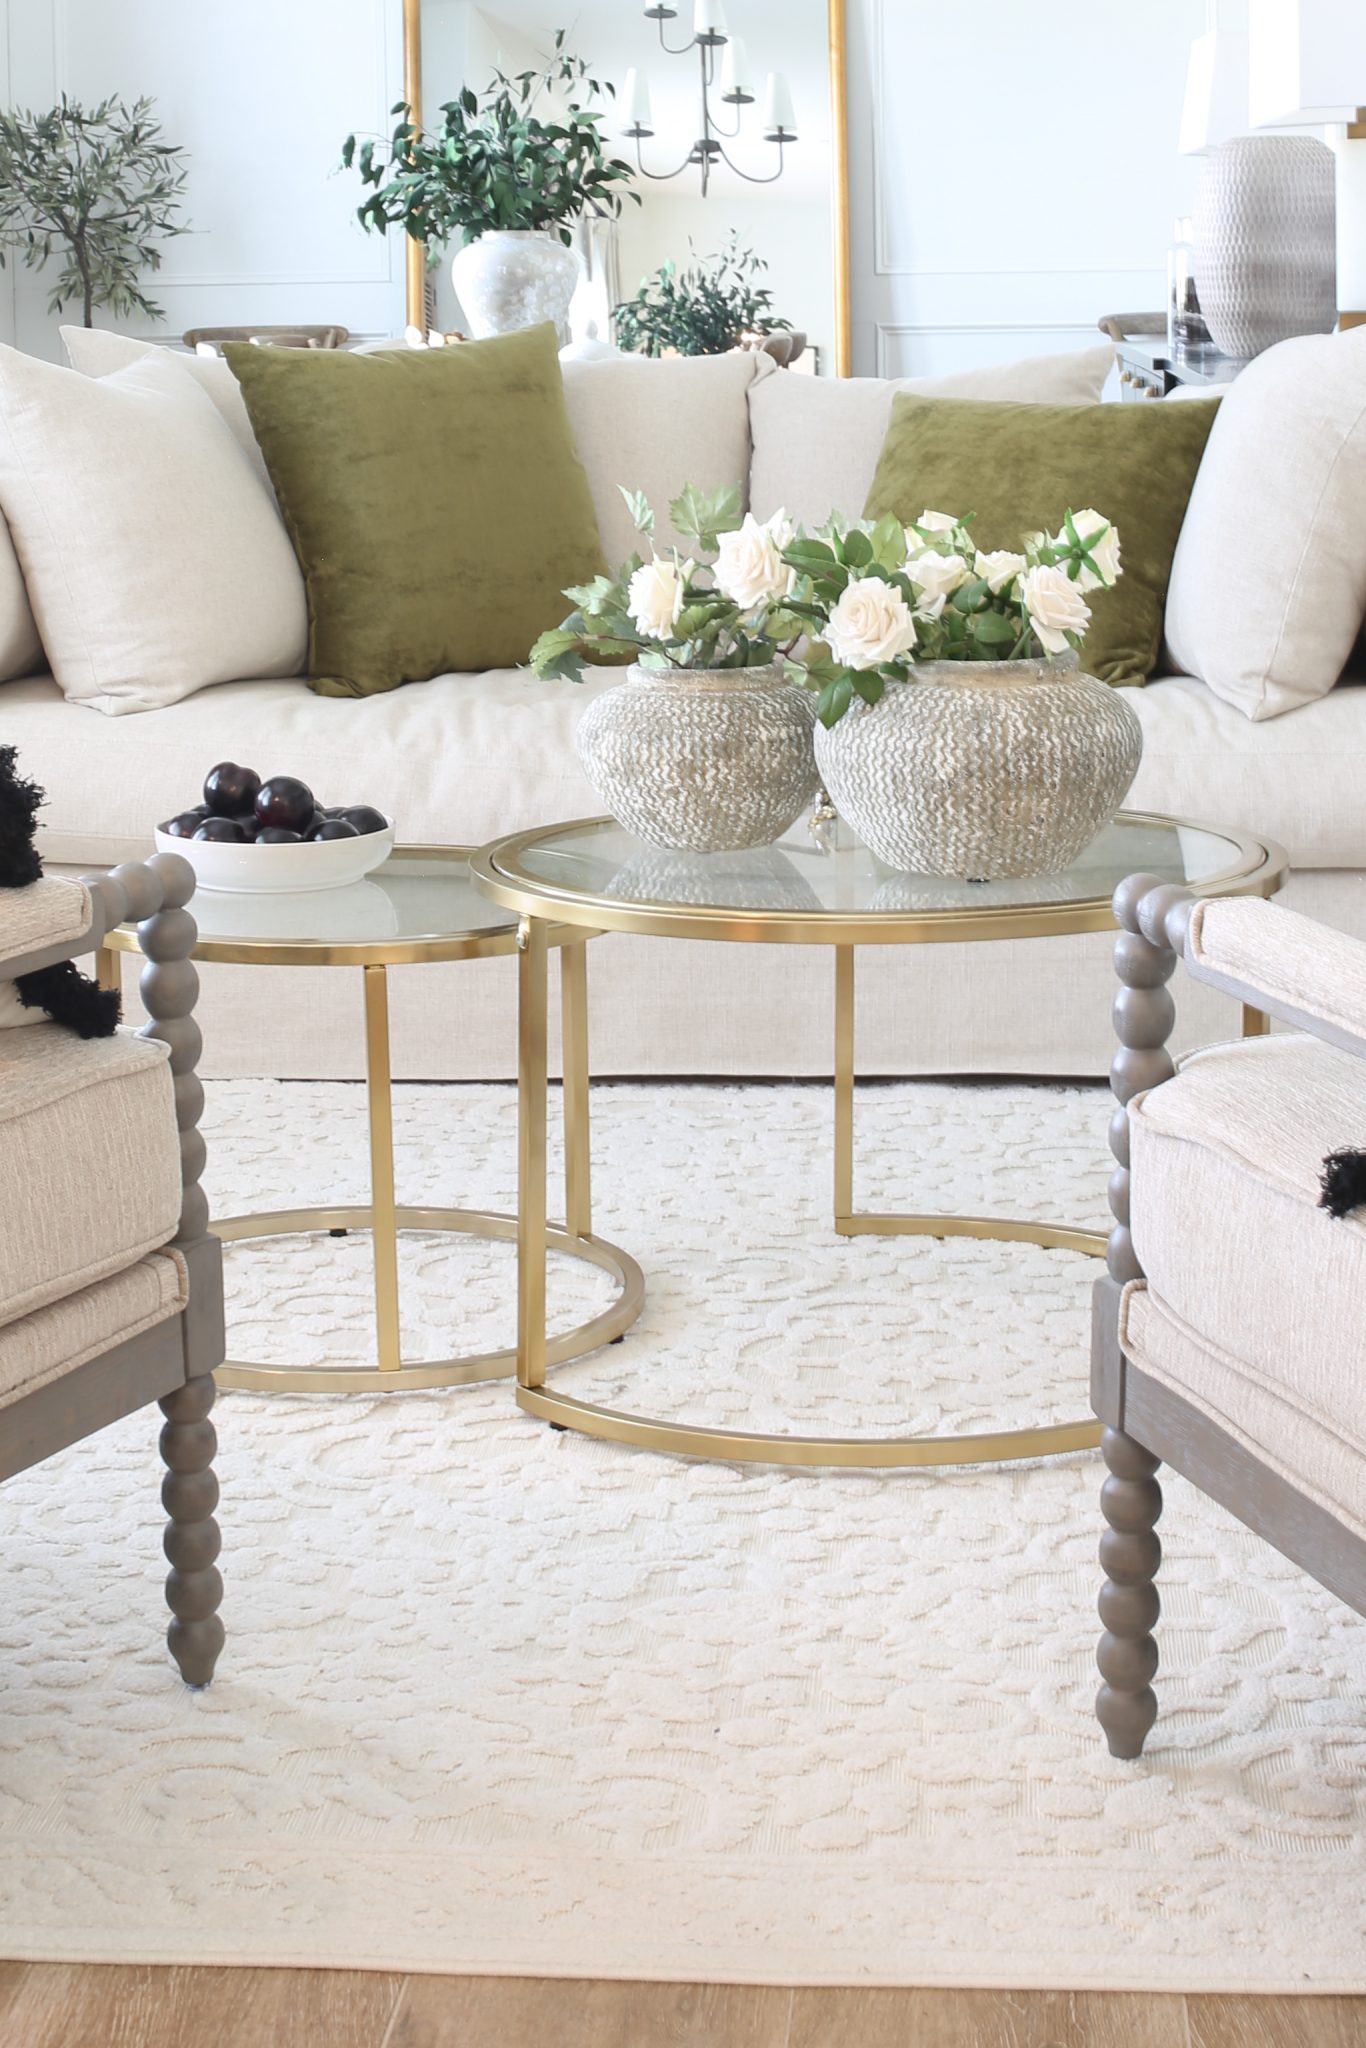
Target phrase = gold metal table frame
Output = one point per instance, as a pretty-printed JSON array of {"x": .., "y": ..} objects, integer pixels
[
  {"x": 1258, "y": 869},
  {"x": 383, "y": 1217}
]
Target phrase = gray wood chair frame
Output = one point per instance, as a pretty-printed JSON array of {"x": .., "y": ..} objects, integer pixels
[
  {"x": 1147, "y": 1424},
  {"x": 173, "y": 1363}
]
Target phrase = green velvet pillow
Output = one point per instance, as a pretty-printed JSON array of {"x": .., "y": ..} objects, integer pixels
[
  {"x": 1020, "y": 468},
  {"x": 434, "y": 497}
]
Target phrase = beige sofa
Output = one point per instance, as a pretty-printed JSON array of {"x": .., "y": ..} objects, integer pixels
[{"x": 463, "y": 758}]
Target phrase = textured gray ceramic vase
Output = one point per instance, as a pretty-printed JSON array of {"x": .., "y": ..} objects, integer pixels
[
  {"x": 1266, "y": 259},
  {"x": 983, "y": 769},
  {"x": 701, "y": 760},
  {"x": 514, "y": 278}
]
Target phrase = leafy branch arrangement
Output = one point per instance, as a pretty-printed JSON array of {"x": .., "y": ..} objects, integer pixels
[
  {"x": 876, "y": 597},
  {"x": 701, "y": 311},
  {"x": 98, "y": 184},
  {"x": 494, "y": 163},
  {"x": 848, "y": 609},
  {"x": 724, "y": 606}
]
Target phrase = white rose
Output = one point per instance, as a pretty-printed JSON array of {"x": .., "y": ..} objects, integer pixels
[
  {"x": 937, "y": 577},
  {"x": 998, "y": 566},
  {"x": 749, "y": 564},
  {"x": 1103, "y": 567},
  {"x": 655, "y": 597},
  {"x": 870, "y": 626},
  {"x": 1055, "y": 606},
  {"x": 936, "y": 522}
]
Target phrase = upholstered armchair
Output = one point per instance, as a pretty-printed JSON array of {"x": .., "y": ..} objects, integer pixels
[
  {"x": 1229, "y": 1335},
  {"x": 110, "y": 1284}
]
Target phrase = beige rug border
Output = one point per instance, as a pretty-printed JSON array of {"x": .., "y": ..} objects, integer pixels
[{"x": 495, "y": 1914}]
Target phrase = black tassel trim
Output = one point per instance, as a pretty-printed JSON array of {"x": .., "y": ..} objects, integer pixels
[
  {"x": 1343, "y": 1181},
  {"x": 19, "y": 806},
  {"x": 71, "y": 998}
]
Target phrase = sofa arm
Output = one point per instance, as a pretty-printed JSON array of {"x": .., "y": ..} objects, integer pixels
[{"x": 45, "y": 923}]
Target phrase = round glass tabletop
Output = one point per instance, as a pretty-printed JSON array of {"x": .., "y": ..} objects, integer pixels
[
  {"x": 818, "y": 885},
  {"x": 420, "y": 905}
]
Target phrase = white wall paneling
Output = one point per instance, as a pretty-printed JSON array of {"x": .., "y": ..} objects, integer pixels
[
  {"x": 261, "y": 94},
  {"x": 1013, "y": 174}
]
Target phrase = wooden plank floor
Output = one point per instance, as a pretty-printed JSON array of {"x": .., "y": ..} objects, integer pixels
[{"x": 58, "y": 2005}]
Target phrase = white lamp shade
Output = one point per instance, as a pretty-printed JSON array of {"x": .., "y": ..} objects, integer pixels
[
  {"x": 735, "y": 74},
  {"x": 1216, "y": 102},
  {"x": 1307, "y": 62},
  {"x": 709, "y": 18},
  {"x": 777, "y": 108},
  {"x": 635, "y": 103}
]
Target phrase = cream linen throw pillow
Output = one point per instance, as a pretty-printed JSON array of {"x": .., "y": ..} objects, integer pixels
[
  {"x": 1268, "y": 585},
  {"x": 155, "y": 560},
  {"x": 817, "y": 439},
  {"x": 95, "y": 352}
]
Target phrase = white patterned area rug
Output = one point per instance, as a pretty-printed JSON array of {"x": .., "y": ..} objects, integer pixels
[{"x": 502, "y": 1700}]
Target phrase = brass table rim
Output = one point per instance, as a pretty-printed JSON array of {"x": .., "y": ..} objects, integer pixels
[
  {"x": 485, "y": 943},
  {"x": 1258, "y": 871}
]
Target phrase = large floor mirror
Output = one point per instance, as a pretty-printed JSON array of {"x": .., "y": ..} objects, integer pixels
[{"x": 734, "y": 73}]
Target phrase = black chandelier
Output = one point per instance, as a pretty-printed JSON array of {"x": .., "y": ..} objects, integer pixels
[{"x": 724, "y": 75}]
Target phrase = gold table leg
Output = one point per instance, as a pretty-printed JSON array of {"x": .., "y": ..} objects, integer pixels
[
  {"x": 1256, "y": 1023},
  {"x": 384, "y": 1224},
  {"x": 531, "y": 1144},
  {"x": 384, "y": 1219},
  {"x": 108, "y": 972},
  {"x": 684, "y": 1439},
  {"x": 578, "y": 1169}
]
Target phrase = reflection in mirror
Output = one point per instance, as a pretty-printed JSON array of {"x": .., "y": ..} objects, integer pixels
[{"x": 725, "y": 116}]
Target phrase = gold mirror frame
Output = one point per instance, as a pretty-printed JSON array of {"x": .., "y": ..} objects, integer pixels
[{"x": 416, "y": 269}]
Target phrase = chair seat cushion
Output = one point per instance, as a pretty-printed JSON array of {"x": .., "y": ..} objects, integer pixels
[
  {"x": 1226, "y": 1159},
  {"x": 50, "y": 912},
  {"x": 89, "y": 1161},
  {"x": 53, "y": 1341}
]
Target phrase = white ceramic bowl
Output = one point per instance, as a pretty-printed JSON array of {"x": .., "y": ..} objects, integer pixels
[{"x": 254, "y": 870}]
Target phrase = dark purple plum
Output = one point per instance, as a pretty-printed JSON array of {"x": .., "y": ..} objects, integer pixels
[
  {"x": 249, "y": 825},
  {"x": 366, "y": 818},
  {"x": 230, "y": 790},
  {"x": 334, "y": 828},
  {"x": 183, "y": 826},
  {"x": 285, "y": 803},
  {"x": 278, "y": 835},
  {"x": 222, "y": 829}
]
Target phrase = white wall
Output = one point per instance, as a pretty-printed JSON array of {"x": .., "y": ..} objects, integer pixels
[
  {"x": 261, "y": 93},
  {"x": 1013, "y": 174}
]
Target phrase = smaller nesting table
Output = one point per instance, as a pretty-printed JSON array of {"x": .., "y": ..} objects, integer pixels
[{"x": 419, "y": 907}]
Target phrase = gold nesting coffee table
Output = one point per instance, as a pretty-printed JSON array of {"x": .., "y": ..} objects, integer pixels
[
  {"x": 419, "y": 907},
  {"x": 816, "y": 887}
]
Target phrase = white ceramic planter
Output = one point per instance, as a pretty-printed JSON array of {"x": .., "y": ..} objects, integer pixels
[
  {"x": 983, "y": 769},
  {"x": 515, "y": 278},
  {"x": 702, "y": 760}
]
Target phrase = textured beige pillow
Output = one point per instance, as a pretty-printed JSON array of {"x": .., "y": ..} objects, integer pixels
[
  {"x": 21, "y": 650},
  {"x": 817, "y": 439},
  {"x": 655, "y": 426},
  {"x": 156, "y": 562},
  {"x": 1268, "y": 585},
  {"x": 97, "y": 353}
]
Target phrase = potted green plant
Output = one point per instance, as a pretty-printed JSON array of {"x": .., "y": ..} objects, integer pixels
[
  {"x": 957, "y": 732},
  {"x": 706, "y": 745},
  {"x": 705, "y": 310},
  {"x": 509, "y": 181},
  {"x": 97, "y": 183}
]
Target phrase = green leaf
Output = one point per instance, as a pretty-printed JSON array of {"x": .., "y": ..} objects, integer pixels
[
  {"x": 592, "y": 597},
  {"x": 970, "y": 597},
  {"x": 994, "y": 629},
  {"x": 857, "y": 549},
  {"x": 701, "y": 515},
  {"x": 558, "y": 653},
  {"x": 640, "y": 509},
  {"x": 888, "y": 540}
]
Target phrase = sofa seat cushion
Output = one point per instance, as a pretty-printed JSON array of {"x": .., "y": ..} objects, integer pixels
[
  {"x": 1317, "y": 1460},
  {"x": 461, "y": 759},
  {"x": 53, "y": 1341},
  {"x": 89, "y": 1161},
  {"x": 1226, "y": 1159}
]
